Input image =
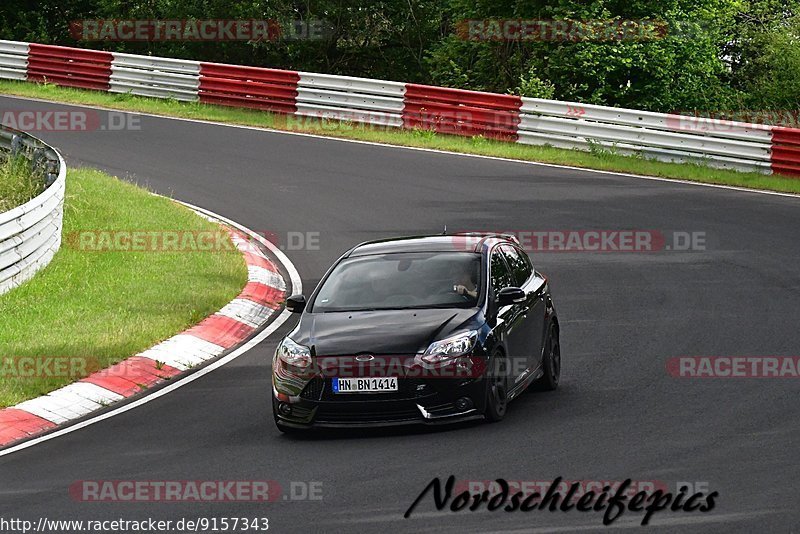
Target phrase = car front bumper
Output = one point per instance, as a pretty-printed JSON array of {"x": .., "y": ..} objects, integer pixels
[{"x": 418, "y": 401}]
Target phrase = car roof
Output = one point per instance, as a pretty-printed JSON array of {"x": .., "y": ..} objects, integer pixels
[{"x": 433, "y": 243}]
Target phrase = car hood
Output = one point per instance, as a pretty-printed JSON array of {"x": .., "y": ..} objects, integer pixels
[{"x": 380, "y": 332}]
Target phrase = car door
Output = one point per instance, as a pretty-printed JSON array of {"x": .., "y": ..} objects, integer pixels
[
  {"x": 529, "y": 281},
  {"x": 510, "y": 319}
]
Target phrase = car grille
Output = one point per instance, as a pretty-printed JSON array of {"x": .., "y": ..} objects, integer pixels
[
  {"x": 313, "y": 390},
  {"x": 377, "y": 412}
]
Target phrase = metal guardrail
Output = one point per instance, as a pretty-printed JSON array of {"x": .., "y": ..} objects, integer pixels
[
  {"x": 30, "y": 234},
  {"x": 248, "y": 87},
  {"x": 70, "y": 67},
  {"x": 13, "y": 60},
  {"x": 460, "y": 112},
  {"x": 571, "y": 125},
  {"x": 664, "y": 137},
  {"x": 786, "y": 151},
  {"x": 350, "y": 99},
  {"x": 643, "y": 119},
  {"x": 155, "y": 77}
]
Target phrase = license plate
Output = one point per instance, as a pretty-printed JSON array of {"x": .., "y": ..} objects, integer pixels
[{"x": 364, "y": 385}]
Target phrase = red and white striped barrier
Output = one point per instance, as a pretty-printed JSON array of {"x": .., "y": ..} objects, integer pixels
[
  {"x": 459, "y": 112},
  {"x": 665, "y": 137},
  {"x": 350, "y": 99},
  {"x": 248, "y": 87},
  {"x": 227, "y": 328},
  {"x": 70, "y": 67},
  {"x": 155, "y": 77},
  {"x": 786, "y": 151}
]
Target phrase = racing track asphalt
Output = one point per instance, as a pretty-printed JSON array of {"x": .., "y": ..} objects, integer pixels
[{"x": 617, "y": 415}]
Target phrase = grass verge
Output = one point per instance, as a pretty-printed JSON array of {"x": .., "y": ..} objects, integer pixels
[
  {"x": 101, "y": 306},
  {"x": 606, "y": 161},
  {"x": 18, "y": 182}
]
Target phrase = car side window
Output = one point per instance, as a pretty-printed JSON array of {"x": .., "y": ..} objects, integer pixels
[
  {"x": 520, "y": 264},
  {"x": 501, "y": 276}
]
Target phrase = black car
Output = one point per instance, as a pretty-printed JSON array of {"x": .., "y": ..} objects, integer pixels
[{"x": 417, "y": 330}]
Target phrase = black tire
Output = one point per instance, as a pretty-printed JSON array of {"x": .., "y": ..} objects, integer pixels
[
  {"x": 552, "y": 361},
  {"x": 496, "y": 389}
]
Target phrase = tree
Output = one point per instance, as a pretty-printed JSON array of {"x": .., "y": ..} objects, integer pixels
[{"x": 669, "y": 58}]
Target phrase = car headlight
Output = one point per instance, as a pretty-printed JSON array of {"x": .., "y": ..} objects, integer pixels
[
  {"x": 294, "y": 354},
  {"x": 451, "y": 347}
]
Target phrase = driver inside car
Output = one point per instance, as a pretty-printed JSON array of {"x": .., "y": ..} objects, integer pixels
[{"x": 466, "y": 284}]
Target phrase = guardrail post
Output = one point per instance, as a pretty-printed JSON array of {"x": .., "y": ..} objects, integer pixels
[{"x": 16, "y": 145}]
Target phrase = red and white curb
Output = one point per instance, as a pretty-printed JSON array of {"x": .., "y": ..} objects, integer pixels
[{"x": 229, "y": 327}]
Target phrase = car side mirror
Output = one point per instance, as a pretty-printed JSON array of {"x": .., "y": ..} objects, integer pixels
[
  {"x": 296, "y": 303},
  {"x": 510, "y": 295}
]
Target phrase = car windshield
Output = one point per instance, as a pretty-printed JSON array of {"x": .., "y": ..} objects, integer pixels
[{"x": 402, "y": 281}]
